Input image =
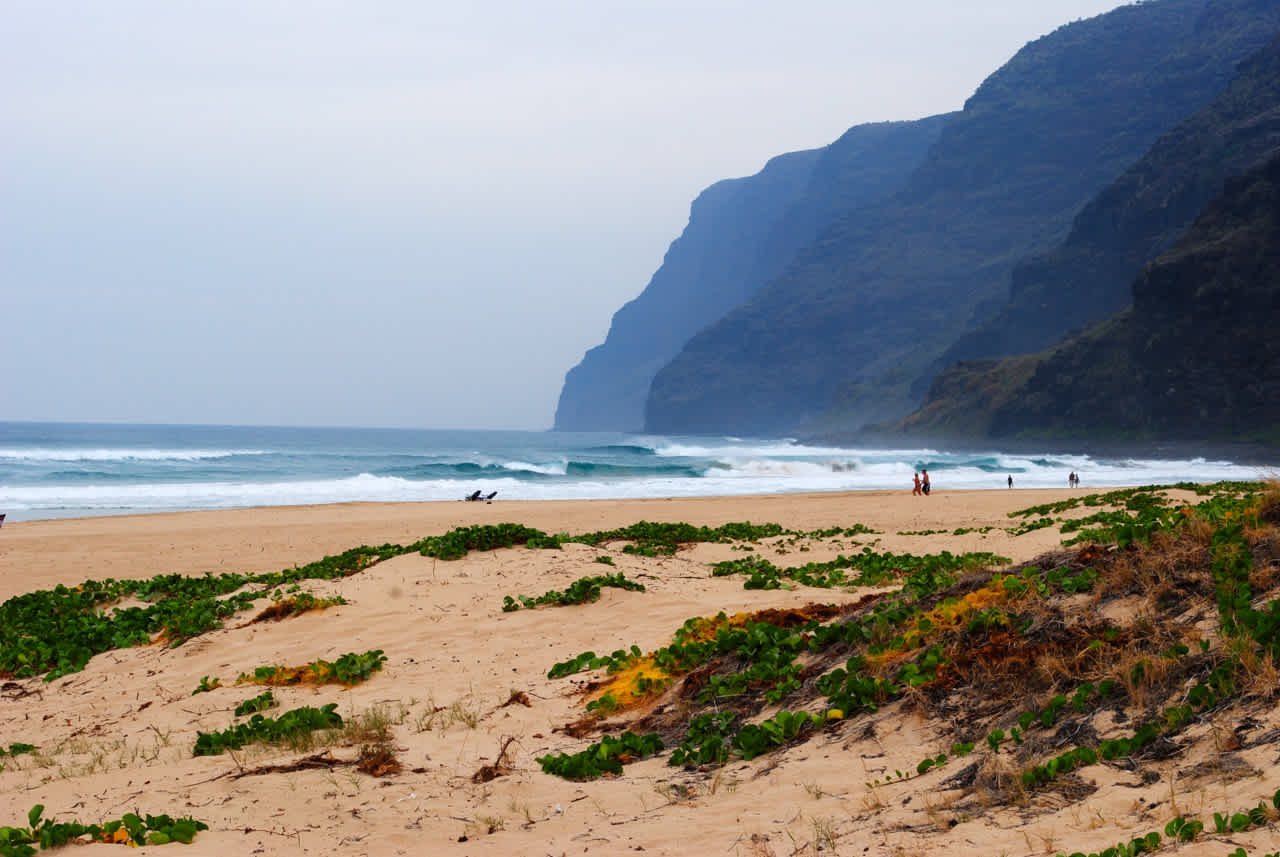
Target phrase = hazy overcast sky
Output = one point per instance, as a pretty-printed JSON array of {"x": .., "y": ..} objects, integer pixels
[{"x": 401, "y": 213}]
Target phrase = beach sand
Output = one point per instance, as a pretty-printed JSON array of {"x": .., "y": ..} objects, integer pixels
[{"x": 118, "y": 736}]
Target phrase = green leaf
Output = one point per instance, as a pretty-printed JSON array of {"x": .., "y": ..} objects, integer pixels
[{"x": 134, "y": 825}]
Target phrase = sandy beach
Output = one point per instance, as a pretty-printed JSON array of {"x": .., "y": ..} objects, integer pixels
[{"x": 463, "y": 680}]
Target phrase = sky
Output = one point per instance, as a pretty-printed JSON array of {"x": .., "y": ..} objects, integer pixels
[{"x": 394, "y": 213}]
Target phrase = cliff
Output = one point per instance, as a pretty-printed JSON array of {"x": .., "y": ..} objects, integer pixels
[
  {"x": 1136, "y": 218},
  {"x": 1192, "y": 355},
  {"x": 857, "y": 320},
  {"x": 1196, "y": 357},
  {"x": 741, "y": 233}
]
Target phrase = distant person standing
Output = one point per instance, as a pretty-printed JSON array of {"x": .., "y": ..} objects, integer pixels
[
  {"x": 1010, "y": 480},
  {"x": 924, "y": 481},
  {"x": 916, "y": 490}
]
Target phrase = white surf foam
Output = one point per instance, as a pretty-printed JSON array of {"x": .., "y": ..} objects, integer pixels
[{"x": 109, "y": 454}]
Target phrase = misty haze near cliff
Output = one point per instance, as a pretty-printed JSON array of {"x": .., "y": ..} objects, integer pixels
[{"x": 399, "y": 215}]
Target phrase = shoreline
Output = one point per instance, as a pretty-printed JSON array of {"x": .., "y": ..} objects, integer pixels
[
  {"x": 68, "y": 472},
  {"x": 1248, "y": 453}
]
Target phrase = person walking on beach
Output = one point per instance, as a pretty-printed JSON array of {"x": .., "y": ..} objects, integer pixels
[
  {"x": 1010, "y": 480},
  {"x": 924, "y": 481},
  {"x": 916, "y": 489}
]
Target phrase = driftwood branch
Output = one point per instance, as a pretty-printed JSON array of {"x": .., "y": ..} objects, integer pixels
[{"x": 316, "y": 761}]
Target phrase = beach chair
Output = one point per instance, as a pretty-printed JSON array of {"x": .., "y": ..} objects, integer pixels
[
  {"x": 2, "y": 516},
  {"x": 472, "y": 497},
  {"x": 489, "y": 497}
]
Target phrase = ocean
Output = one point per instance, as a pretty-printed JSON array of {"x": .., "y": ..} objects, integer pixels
[{"x": 58, "y": 470}]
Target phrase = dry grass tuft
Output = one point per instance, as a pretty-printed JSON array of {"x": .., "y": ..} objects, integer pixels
[
  {"x": 1259, "y": 673},
  {"x": 1198, "y": 530},
  {"x": 378, "y": 760},
  {"x": 1269, "y": 503},
  {"x": 370, "y": 727},
  {"x": 999, "y": 779},
  {"x": 371, "y": 730}
]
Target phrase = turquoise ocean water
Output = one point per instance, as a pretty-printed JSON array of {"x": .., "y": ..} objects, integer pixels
[{"x": 55, "y": 470}]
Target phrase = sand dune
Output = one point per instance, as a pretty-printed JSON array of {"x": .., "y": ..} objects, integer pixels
[{"x": 463, "y": 680}]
